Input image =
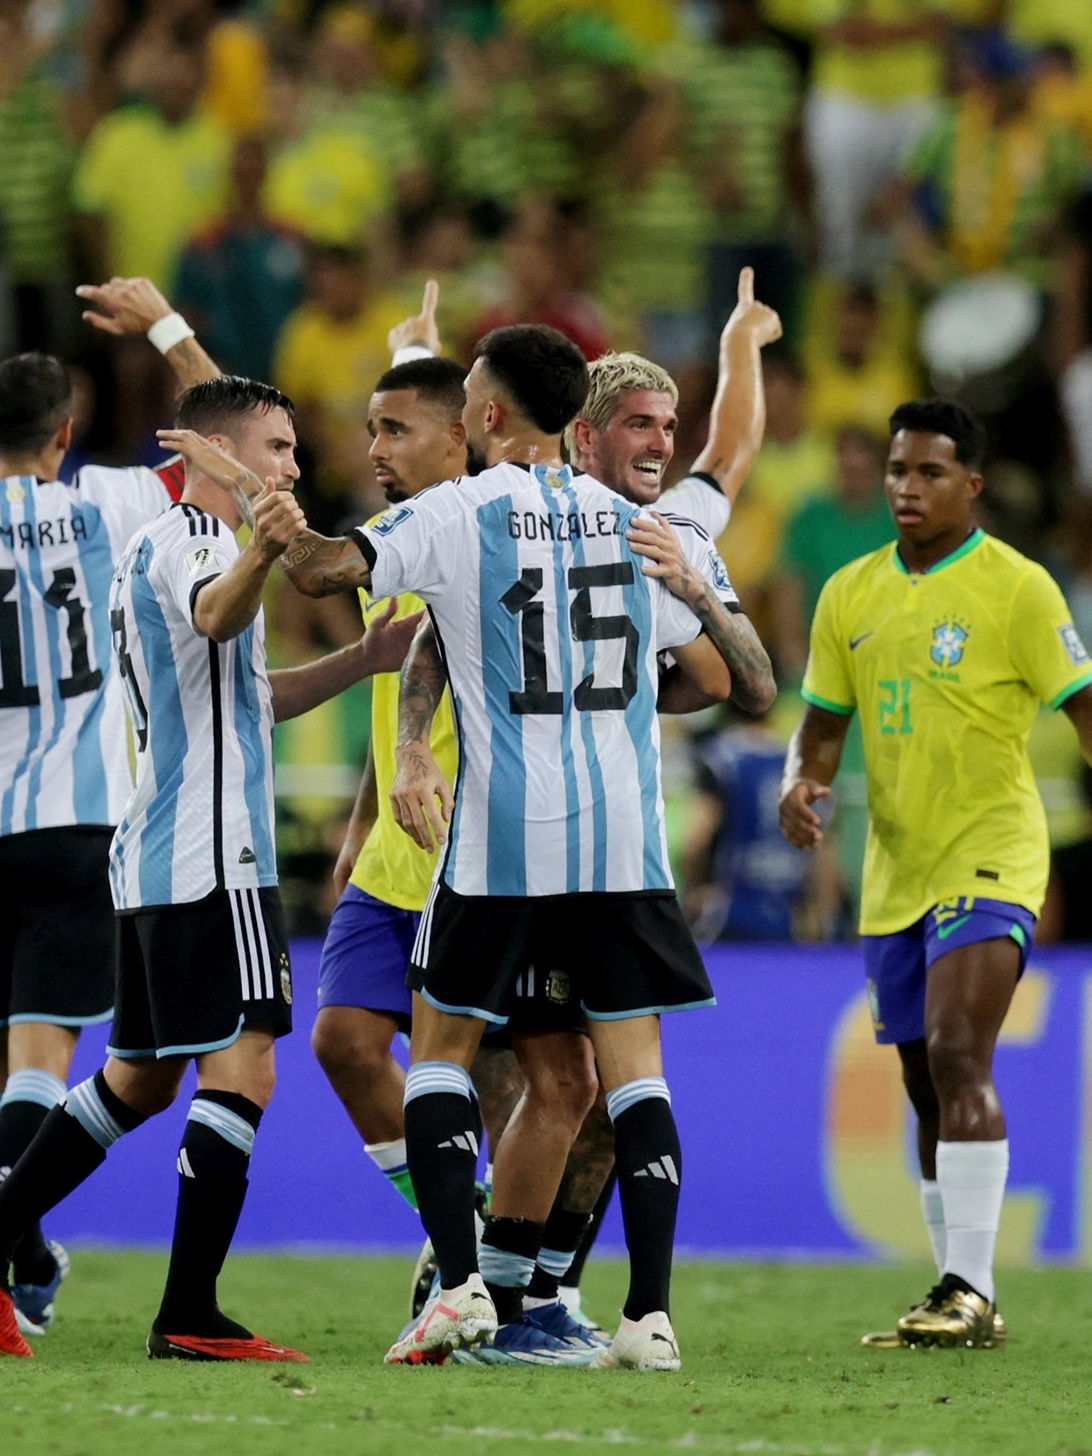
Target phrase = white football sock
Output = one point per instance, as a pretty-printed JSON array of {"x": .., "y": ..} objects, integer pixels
[
  {"x": 932, "y": 1211},
  {"x": 972, "y": 1179}
]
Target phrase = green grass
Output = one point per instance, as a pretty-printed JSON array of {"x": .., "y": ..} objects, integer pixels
[{"x": 771, "y": 1364}]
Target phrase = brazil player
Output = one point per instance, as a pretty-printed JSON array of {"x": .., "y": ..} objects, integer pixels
[
  {"x": 203, "y": 971},
  {"x": 945, "y": 644},
  {"x": 550, "y": 626},
  {"x": 64, "y": 767}
]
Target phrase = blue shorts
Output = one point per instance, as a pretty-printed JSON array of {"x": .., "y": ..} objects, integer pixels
[
  {"x": 365, "y": 955},
  {"x": 896, "y": 964}
]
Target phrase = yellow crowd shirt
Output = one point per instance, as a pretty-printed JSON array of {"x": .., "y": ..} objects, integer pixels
[
  {"x": 946, "y": 669},
  {"x": 391, "y": 867}
]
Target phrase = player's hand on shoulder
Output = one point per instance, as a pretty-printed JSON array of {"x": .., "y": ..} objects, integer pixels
[
  {"x": 757, "y": 319},
  {"x": 387, "y": 639},
  {"x": 421, "y": 328},
  {"x": 123, "y": 305},
  {"x": 651, "y": 537},
  {"x": 421, "y": 797},
  {"x": 800, "y": 824}
]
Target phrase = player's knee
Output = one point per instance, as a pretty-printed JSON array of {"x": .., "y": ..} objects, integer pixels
[
  {"x": 348, "y": 1052},
  {"x": 955, "y": 1065},
  {"x": 566, "y": 1086}
]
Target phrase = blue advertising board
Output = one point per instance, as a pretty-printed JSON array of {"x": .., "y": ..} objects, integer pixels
[{"x": 797, "y": 1140}]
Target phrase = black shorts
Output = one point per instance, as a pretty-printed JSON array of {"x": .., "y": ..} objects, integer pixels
[
  {"x": 190, "y": 977},
  {"x": 620, "y": 955},
  {"x": 57, "y": 937}
]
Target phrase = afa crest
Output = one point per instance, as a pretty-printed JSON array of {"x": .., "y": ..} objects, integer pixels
[{"x": 949, "y": 639}]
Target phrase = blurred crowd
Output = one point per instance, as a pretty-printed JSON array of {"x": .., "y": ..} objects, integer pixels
[{"x": 910, "y": 179}]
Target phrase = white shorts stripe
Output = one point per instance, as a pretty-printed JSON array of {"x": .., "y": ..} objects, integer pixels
[
  {"x": 264, "y": 960},
  {"x": 419, "y": 955},
  {"x": 242, "y": 952}
]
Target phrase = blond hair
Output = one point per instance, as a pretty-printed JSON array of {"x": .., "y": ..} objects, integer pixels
[{"x": 612, "y": 376}]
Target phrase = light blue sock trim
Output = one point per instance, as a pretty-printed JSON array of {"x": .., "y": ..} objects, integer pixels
[
  {"x": 86, "y": 1106},
  {"x": 33, "y": 1085},
  {"x": 556, "y": 1261},
  {"x": 624, "y": 1097},
  {"x": 428, "y": 1077},
  {"x": 222, "y": 1121},
  {"x": 510, "y": 1271}
]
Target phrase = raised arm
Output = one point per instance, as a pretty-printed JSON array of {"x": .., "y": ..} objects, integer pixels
[
  {"x": 421, "y": 796},
  {"x": 132, "y": 306},
  {"x": 316, "y": 565},
  {"x": 814, "y": 753},
  {"x": 750, "y": 687},
  {"x": 419, "y": 333},
  {"x": 737, "y": 421}
]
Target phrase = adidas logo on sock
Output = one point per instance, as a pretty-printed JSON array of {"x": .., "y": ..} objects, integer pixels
[
  {"x": 184, "y": 1166},
  {"x": 660, "y": 1168},
  {"x": 465, "y": 1140}
]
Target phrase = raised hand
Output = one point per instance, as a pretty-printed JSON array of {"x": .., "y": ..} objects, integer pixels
[
  {"x": 751, "y": 316},
  {"x": 278, "y": 520},
  {"x": 421, "y": 329},
  {"x": 123, "y": 305}
]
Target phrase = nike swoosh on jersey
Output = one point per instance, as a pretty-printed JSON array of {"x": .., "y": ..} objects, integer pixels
[
  {"x": 856, "y": 641},
  {"x": 944, "y": 931}
]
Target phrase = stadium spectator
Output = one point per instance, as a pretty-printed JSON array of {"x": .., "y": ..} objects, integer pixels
[
  {"x": 239, "y": 280},
  {"x": 202, "y": 961},
  {"x": 824, "y": 534},
  {"x": 878, "y": 75},
  {"x": 855, "y": 369},
  {"x": 329, "y": 352},
  {"x": 946, "y": 644},
  {"x": 36, "y": 159}
]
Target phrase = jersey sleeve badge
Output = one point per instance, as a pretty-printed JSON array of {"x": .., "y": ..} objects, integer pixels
[{"x": 1071, "y": 641}]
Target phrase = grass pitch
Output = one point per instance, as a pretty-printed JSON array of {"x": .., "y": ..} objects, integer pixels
[{"x": 771, "y": 1364}]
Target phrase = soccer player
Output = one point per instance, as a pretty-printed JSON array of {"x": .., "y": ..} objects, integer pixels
[
  {"x": 945, "y": 643},
  {"x": 64, "y": 767},
  {"x": 203, "y": 971},
  {"x": 550, "y": 626}
]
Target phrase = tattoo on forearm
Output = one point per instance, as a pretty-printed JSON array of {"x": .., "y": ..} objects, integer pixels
[
  {"x": 421, "y": 686},
  {"x": 191, "y": 364},
  {"x": 738, "y": 644}
]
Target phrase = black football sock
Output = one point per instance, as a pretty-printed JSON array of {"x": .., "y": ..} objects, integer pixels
[
  {"x": 212, "y": 1183},
  {"x": 649, "y": 1169},
  {"x": 443, "y": 1130},
  {"x": 599, "y": 1213},
  {"x": 70, "y": 1144},
  {"x": 508, "y": 1252},
  {"x": 562, "y": 1234},
  {"x": 29, "y": 1096}
]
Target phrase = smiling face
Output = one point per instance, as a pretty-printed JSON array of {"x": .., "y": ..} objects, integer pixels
[
  {"x": 634, "y": 448},
  {"x": 415, "y": 443},
  {"x": 930, "y": 493}
]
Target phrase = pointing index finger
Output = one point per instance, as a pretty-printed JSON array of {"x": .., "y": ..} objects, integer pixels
[
  {"x": 746, "y": 288},
  {"x": 430, "y": 299}
]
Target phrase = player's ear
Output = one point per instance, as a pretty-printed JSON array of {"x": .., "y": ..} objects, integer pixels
[
  {"x": 975, "y": 484},
  {"x": 583, "y": 435},
  {"x": 63, "y": 438}
]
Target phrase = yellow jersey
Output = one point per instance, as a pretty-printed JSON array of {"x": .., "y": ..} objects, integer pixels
[
  {"x": 390, "y": 866},
  {"x": 946, "y": 669}
]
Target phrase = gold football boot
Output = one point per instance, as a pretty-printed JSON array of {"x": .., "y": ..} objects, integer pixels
[
  {"x": 892, "y": 1340},
  {"x": 954, "y": 1315}
]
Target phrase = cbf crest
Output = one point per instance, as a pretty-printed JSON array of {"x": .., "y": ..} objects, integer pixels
[{"x": 949, "y": 640}]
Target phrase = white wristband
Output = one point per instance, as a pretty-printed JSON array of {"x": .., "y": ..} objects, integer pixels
[
  {"x": 168, "y": 331},
  {"x": 408, "y": 352}
]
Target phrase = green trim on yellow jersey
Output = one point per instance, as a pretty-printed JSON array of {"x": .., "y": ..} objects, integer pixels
[
  {"x": 818, "y": 702},
  {"x": 976, "y": 537},
  {"x": 1067, "y": 692}
]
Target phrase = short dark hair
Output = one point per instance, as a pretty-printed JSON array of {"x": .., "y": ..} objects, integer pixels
[
  {"x": 215, "y": 403},
  {"x": 944, "y": 417},
  {"x": 545, "y": 374},
  {"x": 35, "y": 401},
  {"x": 440, "y": 381}
]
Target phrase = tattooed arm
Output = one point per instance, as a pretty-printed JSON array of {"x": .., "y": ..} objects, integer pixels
[
  {"x": 751, "y": 688},
  {"x": 316, "y": 565},
  {"x": 737, "y": 421},
  {"x": 421, "y": 796}
]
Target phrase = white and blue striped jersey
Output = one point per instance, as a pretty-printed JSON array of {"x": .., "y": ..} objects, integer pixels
[
  {"x": 201, "y": 815},
  {"x": 698, "y": 497},
  {"x": 549, "y": 631},
  {"x": 63, "y": 749}
]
